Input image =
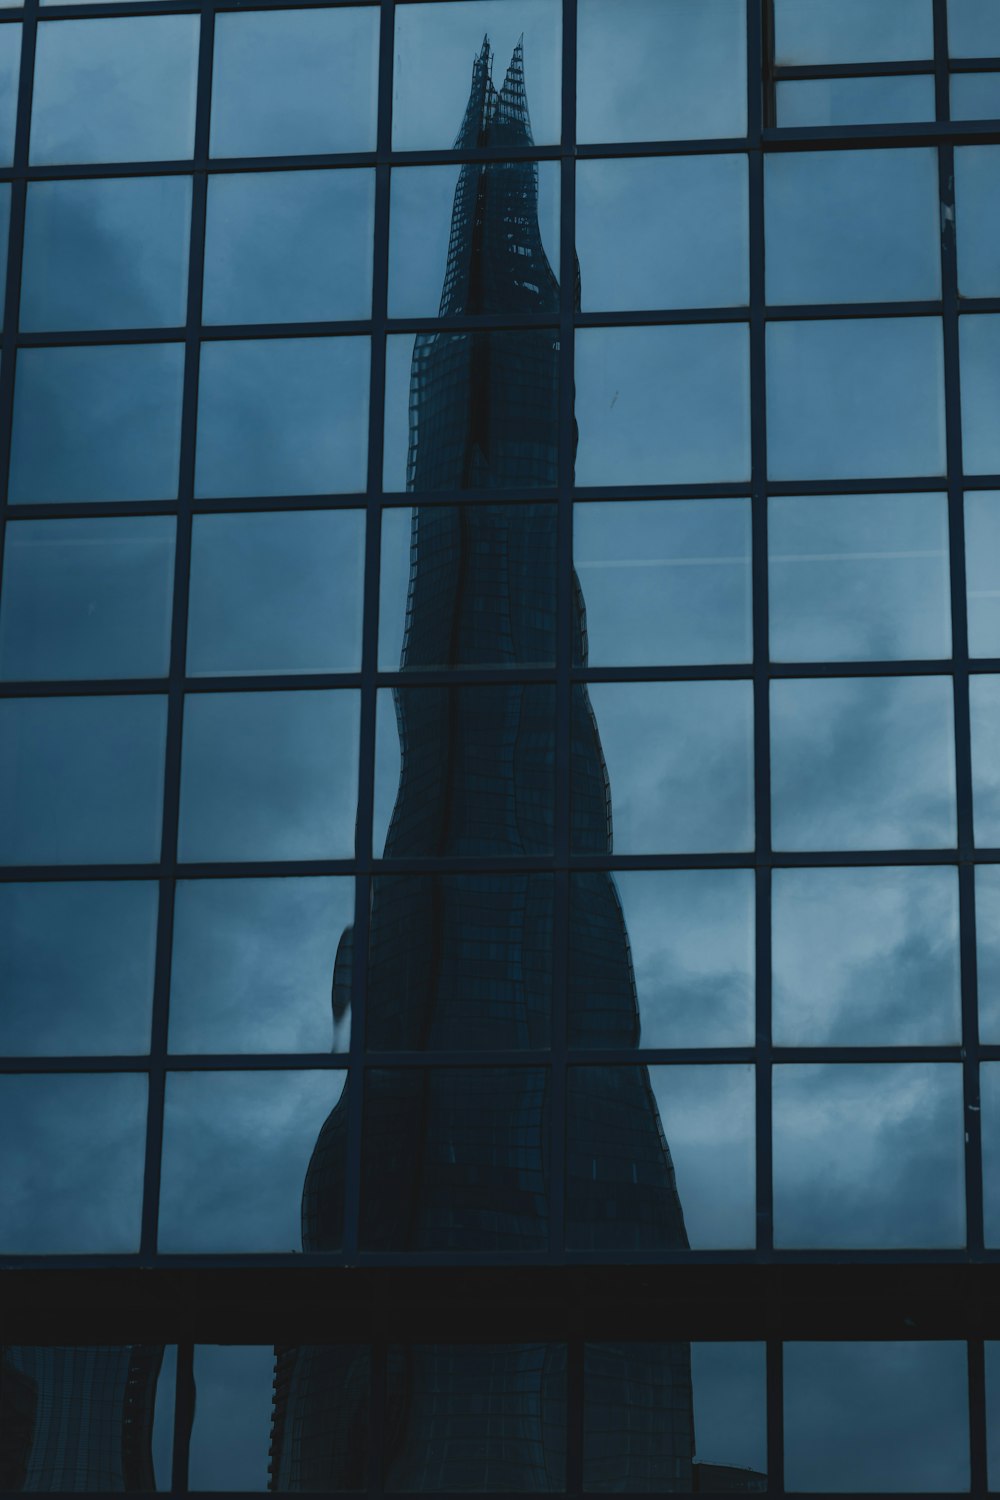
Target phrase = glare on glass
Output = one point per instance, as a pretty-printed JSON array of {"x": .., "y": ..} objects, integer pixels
[
  {"x": 975, "y": 96},
  {"x": 855, "y": 101},
  {"x": 81, "y": 780},
  {"x": 10, "y": 73},
  {"x": 76, "y": 967},
  {"x": 233, "y": 1414},
  {"x": 984, "y": 706},
  {"x": 96, "y": 424},
  {"x": 118, "y": 89},
  {"x": 661, "y": 1158},
  {"x": 989, "y": 1087},
  {"x": 979, "y": 338},
  {"x": 87, "y": 598},
  {"x": 679, "y": 757},
  {"x": 282, "y": 417},
  {"x": 288, "y": 247},
  {"x": 294, "y": 82},
  {"x": 868, "y": 1156},
  {"x": 852, "y": 31},
  {"x": 977, "y": 214},
  {"x": 988, "y": 951},
  {"x": 651, "y": 70},
  {"x": 422, "y": 202},
  {"x": 863, "y": 763},
  {"x": 262, "y": 965},
  {"x": 982, "y": 570},
  {"x": 663, "y": 231},
  {"x": 269, "y": 775},
  {"x": 973, "y": 28},
  {"x": 856, "y": 398},
  {"x": 276, "y": 593},
  {"x": 516, "y": 629},
  {"x": 858, "y": 577},
  {"x": 662, "y": 958},
  {"x": 852, "y": 226},
  {"x": 106, "y": 253},
  {"x": 74, "y": 1149},
  {"x": 664, "y": 582},
  {"x": 455, "y": 1159},
  {"x": 663, "y": 405},
  {"x": 884, "y": 1417},
  {"x": 238, "y": 1155},
  {"x": 865, "y": 957},
  {"x": 434, "y": 52}
]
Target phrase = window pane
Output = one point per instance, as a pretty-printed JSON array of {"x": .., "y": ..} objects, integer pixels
[
  {"x": 859, "y": 398},
  {"x": 980, "y": 346},
  {"x": 517, "y": 42},
  {"x": 460, "y": 961},
  {"x": 230, "y": 1434},
  {"x": 975, "y": 96},
  {"x": 294, "y": 82},
  {"x": 982, "y": 570},
  {"x": 269, "y": 775},
  {"x": 855, "y": 101},
  {"x": 472, "y": 411},
  {"x": 992, "y": 1350},
  {"x": 5, "y": 190},
  {"x": 988, "y": 951},
  {"x": 989, "y": 1083},
  {"x": 869, "y": 1155},
  {"x": 679, "y": 756},
  {"x": 661, "y": 1158},
  {"x": 477, "y": 1417},
  {"x": 477, "y": 777},
  {"x": 74, "y": 1148},
  {"x": 10, "y": 73},
  {"x": 87, "y": 598},
  {"x": 661, "y": 70},
  {"x": 262, "y": 966},
  {"x": 984, "y": 702},
  {"x": 282, "y": 417},
  {"x": 977, "y": 188},
  {"x": 97, "y": 423},
  {"x": 846, "y": 572},
  {"x": 662, "y": 958},
  {"x": 289, "y": 247},
  {"x": 667, "y": 231},
  {"x": 106, "y": 254},
  {"x": 865, "y": 958},
  {"x": 81, "y": 780},
  {"x": 883, "y": 1417},
  {"x": 251, "y": 1159},
  {"x": 845, "y": 31},
  {"x": 973, "y": 28},
  {"x": 853, "y": 226},
  {"x": 119, "y": 89},
  {"x": 468, "y": 586},
  {"x": 455, "y": 1159},
  {"x": 664, "y": 582},
  {"x": 863, "y": 763},
  {"x": 76, "y": 967},
  {"x": 276, "y": 593},
  {"x": 667, "y": 405},
  {"x": 426, "y": 201}
]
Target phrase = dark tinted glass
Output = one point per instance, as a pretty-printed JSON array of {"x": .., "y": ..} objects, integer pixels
[
  {"x": 10, "y": 72},
  {"x": 282, "y": 416},
  {"x": 76, "y": 967},
  {"x": 294, "y": 82},
  {"x": 973, "y": 28},
  {"x": 100, "y": 804},
  {"x": 4, "y": 237},
  {"x": 977, "y": 191},
  {"x": 982, "y": 570},
  {"x": 855, "y": 101},
  {"x": 96, "y": 424},
  {"x": 87, "y": 598},
  {"x": 662, "y": 958},
  {"x": 252, "y": 1161},
  {"x": 276, "y": 593},
  {"x": 232, "y": 1416},
  {"x": 984, "y": 696},
  {"x": 980, "y": 345},
  {"x": 849, "y": 31},
  {"x": 74, "y": 1147},
  {"x": 106, "y": 253},
  {"x": 288, "y": 247},
  {"x": 455, "y": 1159},
  {"x": 262, "y": 965},
  {"x": 269, "y": 775},
  {"x": 975, "y": 96},
  {"x": 120, "y": 89},
  {"x": 869, "y": 1155}
]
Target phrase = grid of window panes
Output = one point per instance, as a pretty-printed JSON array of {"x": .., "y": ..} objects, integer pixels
[{"x": 229, "y": 230}]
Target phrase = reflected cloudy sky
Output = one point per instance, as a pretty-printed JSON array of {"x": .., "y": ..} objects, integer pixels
[
  {"x": 855, "y": 101},
  {"x": 975, "y": 96},
  {"x": 232, "y": 1416},
  {"x": 982, "y": 570},
  {"x": 10, "y": 72},
  {"x": 977, "y": 219},
  {"x": 973, "y": 28},
  {"x": 848, "y": 31},
  {"x": 989, "y": 1083},
  {"x": 708, "y": 1120},
  {"x": 988, "y": 951},
  {"x": 868, "y": 1155},
  {"x": 984, "y": 705}
]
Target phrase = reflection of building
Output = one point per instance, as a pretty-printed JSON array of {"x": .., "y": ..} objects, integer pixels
[
  {"x": 460, "y": 960},
  {"x": 78, "y": 1419}
]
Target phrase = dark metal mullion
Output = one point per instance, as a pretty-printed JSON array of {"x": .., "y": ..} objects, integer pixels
[
  {"x": 942, "y": 95},
  {"x": 12, "y": 290},
  {"x": 184, "y": 1405}
]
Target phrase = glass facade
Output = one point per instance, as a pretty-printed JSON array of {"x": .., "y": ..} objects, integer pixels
[{"x": 499, "y": 727}]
